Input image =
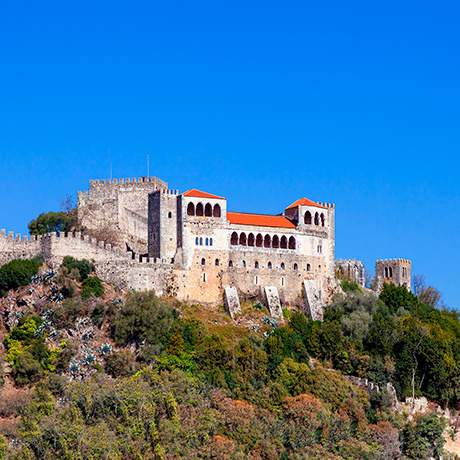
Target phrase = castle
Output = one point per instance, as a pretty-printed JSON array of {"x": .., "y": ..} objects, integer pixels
[{"x": 188, "y": 245}]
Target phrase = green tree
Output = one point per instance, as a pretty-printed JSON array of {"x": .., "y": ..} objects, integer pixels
[
  {"x": 424, "y": 438},
  {"x": 53, "y": 222},
  {"x": 144, "y": 319}
]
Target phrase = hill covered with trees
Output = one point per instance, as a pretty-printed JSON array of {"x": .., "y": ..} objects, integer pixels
[{"x": 92, "y": 372}]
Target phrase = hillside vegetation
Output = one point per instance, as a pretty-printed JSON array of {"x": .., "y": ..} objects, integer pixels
[{"x": 91, "y": 372}]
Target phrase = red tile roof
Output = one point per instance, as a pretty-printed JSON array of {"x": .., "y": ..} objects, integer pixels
[
  {"x": 199, "y": 194},
  {"x": 259, "y": 220},
  {"x": 304, "y": 202}
]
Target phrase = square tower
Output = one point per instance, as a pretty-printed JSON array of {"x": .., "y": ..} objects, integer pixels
[{"x": 394, "y": 271}]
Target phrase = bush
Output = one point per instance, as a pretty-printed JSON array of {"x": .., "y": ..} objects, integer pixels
[
  {"x": 26, "y": 369},
  {"x": 27, "y": 352},
  {"x": 120, "y": 363},
  {"x": 83, "y": 267},
  {"x": 17, "y": 273},
  {"x": 92, "y": 287},
  {"x": 3, "y": 447},
  {"x": 424, "y": 438},
  {"x": 53, "y": 222},
  {"x": 143, "y": 318},
  {"x": 350, "y": 285}
]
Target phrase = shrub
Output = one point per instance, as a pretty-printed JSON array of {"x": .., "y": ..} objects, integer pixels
[
  {"x": 350, "y": 285},
  {"x": 83, "y": 267},
  {"x": 27, "y": 352},
  {"x": 92, "y": 287},
  {"x": 26, "y": 369},
  {"x": 17, "y": 273},
  {"x": 144, "y": 318},
  {"x": 120, "y": 363},
  {"x": 66, "y": 312},
  {"x": 3, "y": 448},
  {"x": 424, "y": 438}
]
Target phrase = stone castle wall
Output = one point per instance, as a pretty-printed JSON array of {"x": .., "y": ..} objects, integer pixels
[{"x": 14, "y": 246}]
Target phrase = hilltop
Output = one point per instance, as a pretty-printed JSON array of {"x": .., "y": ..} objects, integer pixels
[{"x": 93, "y": 371}]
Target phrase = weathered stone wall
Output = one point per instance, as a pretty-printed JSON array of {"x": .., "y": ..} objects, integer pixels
[
  {"x": 18, "y": 246},
  {"x": 351, "y": 269}
]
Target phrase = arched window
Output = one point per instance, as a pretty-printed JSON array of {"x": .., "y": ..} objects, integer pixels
[
  {"x": 267, "y": 241},
  {"x": 307, "y": 218},
  {"x": 217, "y": 263},
  {"x": 296, "y": 267},
  {"x": 256, "y": 264},
  {"x": 234, "y": 239},
  {"x": 244, "y": 264},
  {"x": 275, "y": 242},
  {"x": 203, "y": 261},
  {"x": 251, "y": 239},
  {"x": 322, "y": 220},
  {"x": 197, "y": 241},
  {"x": 283, "y": 266},
  {"x": 390, "y": 272},
  {"x": 259, "y": 240},
  {"x": 210, "y": 241},
  {"x": 208, "y": 210},
  {"x": 230, "y": 263},
  {"x": 199, "y": 209},
  {"x": 316, "y": 219},
  {"x": 201, "y": 241},
  {"x": 291, "y": 242},
  {"x": 204, "y": 277},
  {"x": 269, "y": 265},
  {"x": 308, "y": 267},
  {"x": 206, "y": 242},
  {"x": 216, "y": 211},
  {"x": 169, "y": 214},
  {"x": 283, "y": 242},
  {"x": 243, "y": 240},
  {"x": 386, "y": 272},
  {"x": 190, "y": 209}
]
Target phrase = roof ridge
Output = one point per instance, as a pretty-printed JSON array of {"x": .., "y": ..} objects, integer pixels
[{"x": 256, "y": 214}]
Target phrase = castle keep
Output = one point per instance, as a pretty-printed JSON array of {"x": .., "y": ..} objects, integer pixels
[{"x": 189, "y": 245}]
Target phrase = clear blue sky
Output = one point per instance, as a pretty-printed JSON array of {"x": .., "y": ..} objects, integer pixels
[{"x": 356, "y": 103}]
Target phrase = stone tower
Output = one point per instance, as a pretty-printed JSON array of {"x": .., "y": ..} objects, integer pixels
[
  {"x": 394, "y": 271},
  {"x": 164, "y": 217},
  {"x": 118, "y": 207}
]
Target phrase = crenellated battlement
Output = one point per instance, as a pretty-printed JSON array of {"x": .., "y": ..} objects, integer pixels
[
  {"x": 18, "y": 237},
  {"x": 396, "y": 260},
  {"x": 169, "y": 192},
  {"x": 327, "y": 205},
  {"x": 128, "y": 181}
]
